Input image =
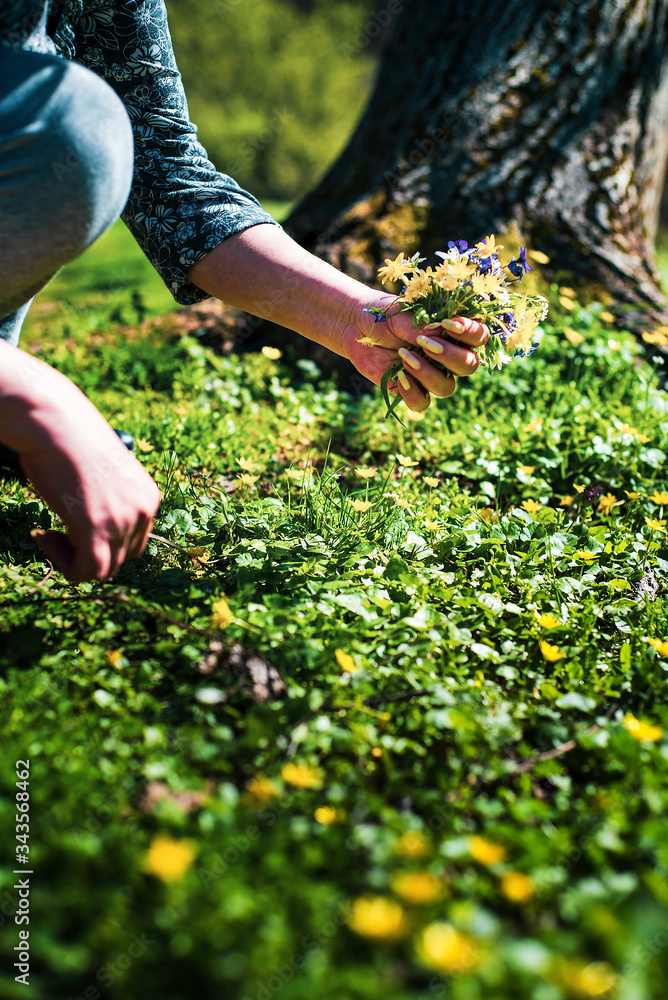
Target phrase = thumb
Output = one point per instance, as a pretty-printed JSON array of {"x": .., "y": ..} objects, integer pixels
[{"x": 57, "y": 548}]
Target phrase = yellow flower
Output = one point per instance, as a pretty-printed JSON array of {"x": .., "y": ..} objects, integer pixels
[
  {"x": 169, "y": 859},
  {"x": 432, "y": 525},
  {"x": 366, "y": 471},
  {"x": 570, "y": 293},
  {"x": 643, "y": 438},
  {"x": 445, "y": 949},
  {"x": 272, "y": 353},
  {"x": 607, "y": 502},
  {"x": 246, "y": 480},
  {"x": 405, "y": 461},
  {"x": 517, "y": 886},
  {"x": 302, "y": 775},
  {"x": 486, "y": 285},
  {"x": 143, "y": 445},
  {"x": 530, "y": 506},
  {"x": 488, "y": 514},
  {"x": 361, "y": 505},
  {"x": 412, "y": 844},
  {"x": 566, "y": 501},
  {"x": 632, "y": 496},
  {"x": 222, "y": 616},
  {"x": 591, "y": 980},
  {"x": 573, "y": 337},
  {"x": 551, "y": 653},
  {"x": 659, "y": 498},
  {"x": 418, "y": 286},
  {"x": 300, "y": 475},
  {"x": 488, "y": 246},
  {"x": 115, "y": 658},
  {"x": 378, "y": 918},
  {"x": 432, "y": 482},
  {"x": 657, "y": 336},
  {"x": 580, "y": 489},
  {"x": 659, "y": 646},
  {"x": 345, "y": 661},
  {"x": 607, "y": 317},
  {"x": 247, "y": 464},
  {"x": 460, "y": 270},
  {"x": 534, "y": 425},
  {"x": 326, "y": 815},
  {"x": 539, "y": 256},
  {"x": 585, "y": 555},
  {"x": 527, "y": 469},
  {"x": 486, "y": 852},
  {"x": 260, "y": 790},
  {"x": 526, "y": 320},
  {"x": 642, "y": 730},
  {"x": 417, "y": 887},
  {"x": 370, "y": 341},
  {"x": 403, "y": 503},
  {"x": 548, "y": 621},
  {"x": 395, "y": 270},
  {"x": 655, "y": 525},
  {"x": 565, "y": 303}
]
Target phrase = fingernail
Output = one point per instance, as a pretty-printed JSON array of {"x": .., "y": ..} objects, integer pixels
[
  {"x": 453, "y": 326},
  {"x": 433, "y": 326},
  {"x": 411, "y": 359},
  {"x": 430, "y": 345},
  {"x": 403, "y": 380}
]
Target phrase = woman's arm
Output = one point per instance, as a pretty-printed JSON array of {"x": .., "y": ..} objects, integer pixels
[
  {"x": 79, "y": 466},
  {"x": 263, "y": 271}
]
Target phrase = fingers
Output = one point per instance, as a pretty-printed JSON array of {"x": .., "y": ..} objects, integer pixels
[
  {"x": 440, "y": 383},
  {"x": 469, "y": 331},
  {"x": 412, "y": 394}
]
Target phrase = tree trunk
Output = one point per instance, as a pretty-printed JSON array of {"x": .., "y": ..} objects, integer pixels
[{"x": 547, "y": 120}]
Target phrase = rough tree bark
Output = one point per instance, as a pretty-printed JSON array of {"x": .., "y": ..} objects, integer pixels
[{"x": 547, "y": 119}]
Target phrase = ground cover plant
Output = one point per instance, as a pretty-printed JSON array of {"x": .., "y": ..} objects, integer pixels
[{"x": 444, "y": 771}]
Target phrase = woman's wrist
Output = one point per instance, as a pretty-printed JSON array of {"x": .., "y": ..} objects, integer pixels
[{"x": 263, "y": 271}]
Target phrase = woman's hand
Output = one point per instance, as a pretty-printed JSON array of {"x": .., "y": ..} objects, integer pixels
[
  {"x": 79, "y": 466},
  {"x": 397, "y": 337}
]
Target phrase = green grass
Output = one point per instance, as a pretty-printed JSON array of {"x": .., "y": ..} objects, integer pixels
[{"x": 424, "y": 696}]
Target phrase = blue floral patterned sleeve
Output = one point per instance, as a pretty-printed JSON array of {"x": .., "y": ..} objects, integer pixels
[{"x": 180, "y": 206}]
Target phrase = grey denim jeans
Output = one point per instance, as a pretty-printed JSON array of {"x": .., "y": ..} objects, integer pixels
[{"x": 66, "y": 159}]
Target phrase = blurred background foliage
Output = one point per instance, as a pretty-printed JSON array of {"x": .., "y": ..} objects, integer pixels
[{"x": 274, "y": 86}]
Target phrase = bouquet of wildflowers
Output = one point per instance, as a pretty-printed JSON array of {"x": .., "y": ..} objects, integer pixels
[{"x": 469, "y": 282}]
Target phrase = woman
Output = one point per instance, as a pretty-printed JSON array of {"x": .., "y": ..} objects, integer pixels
[{"x": 94, "y": 124}]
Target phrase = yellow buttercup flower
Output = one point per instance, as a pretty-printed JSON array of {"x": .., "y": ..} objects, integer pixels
[
  {"x": 169, "y": 859},
  {"x": 488, "y": 246},
  {"x": 659, "y": 498},
  {"x": 222, "y": 615},
  {"x": 143, "y": 445},
  {"x": 642, "y": 730},
  {"x": 432, "y": 482},
  {"x": 550, "y": 653},
  {"x": 412, "y": 844},
  {"x": 531, "y": 506},
  {"x": 247, "y": 464},
  {"x": 246, "y": 479},
  {"x": 302, "y": 775},
  {"x": 445, "y": 949},
  {"x": 272, "y": 353},
  {"x": 607, "y": 317},
  {"x": 658, "y": 336},
  {"x": 655, "y": 525},
  {"x": 419, "y": 888},
  {"x": 326, "y": 815},
  {"x": 632, "y": 496},
  {"x": 378, "y": 918},
  {"x": 370, "y": 341},
  {"x": 260, "y": 790},
  {"x": 366, "y": 471},
  {"x": 115, "y": 658},
  {"x": 418, "y": 286},
  {"x": 548, "y": 621},
  {"x": 517, "y": 886},
  {"x": 580, "y": 489},
  {"x": 607, "y": 502},
  {"x": 528, "y": 470},
  {"x": 585, "y": 555},
  {"x": 486, "y": 852},
  {"x": 403, "y": 503},
  {"x": 659, "y": 646},
  {"x": 432, "y": 525},
  {"x": 405, "y": 461},
  {"x": 395, "y": 270},
  {"x": 361, "y": 505},
  {"x": 566, "y": 501},
  {"x": 345, "y": 661}
]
